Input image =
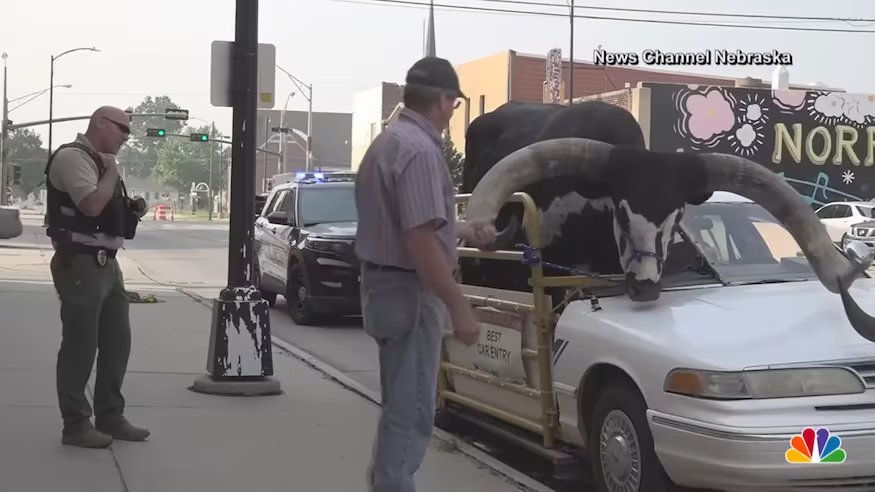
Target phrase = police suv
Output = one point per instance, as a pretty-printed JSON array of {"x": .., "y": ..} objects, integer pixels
[{"x": 303, "y": 244}]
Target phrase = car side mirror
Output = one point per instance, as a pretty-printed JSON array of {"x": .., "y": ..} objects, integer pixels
[
  {"x": 278, "y": 217},
  {"x": 860, "y": 254}
]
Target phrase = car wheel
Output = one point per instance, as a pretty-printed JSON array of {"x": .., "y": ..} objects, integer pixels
[
  {"x": 299, "y": 308},
  {"x": 270, "y": 297},
  {"x": 620, "y": 443}
]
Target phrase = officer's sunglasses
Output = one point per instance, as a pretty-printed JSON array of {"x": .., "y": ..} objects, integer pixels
[{"x": 122, "y": 128}]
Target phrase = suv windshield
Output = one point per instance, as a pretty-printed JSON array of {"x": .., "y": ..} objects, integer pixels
[
  {"x": 865, "y": 211},
  {"x": 745, "y": 243},
  {"x": 320, "y": 205}
]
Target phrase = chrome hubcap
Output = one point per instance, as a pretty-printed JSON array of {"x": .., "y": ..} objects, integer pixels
[{"x": 620, "y": 453}]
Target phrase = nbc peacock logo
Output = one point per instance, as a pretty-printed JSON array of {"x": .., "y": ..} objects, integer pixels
[{"x": 815, "y": 447}]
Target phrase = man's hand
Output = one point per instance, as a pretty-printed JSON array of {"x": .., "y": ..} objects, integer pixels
[
  {"x": 466, "y": 327},
  {"x": 476, "y": 234},
  {"x": 109, "y": 163}
]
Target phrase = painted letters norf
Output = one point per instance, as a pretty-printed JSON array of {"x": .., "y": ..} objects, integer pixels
[{"x": 821, "y": 142}]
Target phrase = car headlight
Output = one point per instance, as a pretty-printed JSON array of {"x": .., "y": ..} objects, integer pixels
[{"x": 769, "y": 383}]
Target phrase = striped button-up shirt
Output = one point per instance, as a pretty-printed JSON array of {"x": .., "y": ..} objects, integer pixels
[{"x": 403, "y": 182}]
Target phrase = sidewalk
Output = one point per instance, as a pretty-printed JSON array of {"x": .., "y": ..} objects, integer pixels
[{"x": 315, "y": 437}]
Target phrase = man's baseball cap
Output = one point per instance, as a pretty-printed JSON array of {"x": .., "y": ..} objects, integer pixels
[{"x": 434, "y": 72}]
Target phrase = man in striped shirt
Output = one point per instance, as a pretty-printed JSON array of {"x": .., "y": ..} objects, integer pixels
[{"x": 406, "y": 241}]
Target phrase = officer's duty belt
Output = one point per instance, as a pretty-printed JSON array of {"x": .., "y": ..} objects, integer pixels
[{"x": 80, "y": 248}]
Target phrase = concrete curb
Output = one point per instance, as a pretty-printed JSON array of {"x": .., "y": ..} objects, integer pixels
[{"x": 523, "y": 481}]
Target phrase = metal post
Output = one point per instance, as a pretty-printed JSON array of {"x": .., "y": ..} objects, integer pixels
[
  {"x": 3, "y": 147},
  {"x": 571, "y": 57},
  {"x": 51, "y": 100},
  {"x": 240, "y": 353},
  {"x": 308, "y": 164},
  {"x": 264, "y": 164},
  {"x": 210, "y": 191}
]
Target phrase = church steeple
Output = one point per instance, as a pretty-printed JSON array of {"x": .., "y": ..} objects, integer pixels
[{"x": 429, "y": 44}]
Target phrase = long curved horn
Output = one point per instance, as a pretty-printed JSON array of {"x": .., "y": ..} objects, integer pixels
[
  {"x": 747, "y": 178},
  {"x": 836, "y": 273},
  {"x": 542, "y": 160}
]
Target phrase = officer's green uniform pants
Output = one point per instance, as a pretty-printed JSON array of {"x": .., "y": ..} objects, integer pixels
[{"x": 94, "y": 316}]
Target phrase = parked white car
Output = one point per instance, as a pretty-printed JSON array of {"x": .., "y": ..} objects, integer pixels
[
  {"x": 10, "y": 223},
  {"x": 838, "y": 217},
  {"x": 705, "y": 387}
]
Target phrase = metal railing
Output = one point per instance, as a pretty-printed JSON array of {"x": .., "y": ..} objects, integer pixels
[{"x": 548, "y": 423}]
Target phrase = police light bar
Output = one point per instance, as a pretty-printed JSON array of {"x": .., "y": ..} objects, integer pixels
[{"x": 304, "y": 176}]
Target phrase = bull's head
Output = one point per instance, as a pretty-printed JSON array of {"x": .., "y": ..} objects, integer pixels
[{"x": 650, "y": 191}]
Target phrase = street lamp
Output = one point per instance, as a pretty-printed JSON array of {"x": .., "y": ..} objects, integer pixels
[
  {"x": 309, "y": 95},
  {"x": 52, "y": 80}
]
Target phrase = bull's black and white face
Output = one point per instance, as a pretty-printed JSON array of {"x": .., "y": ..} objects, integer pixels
[{"x": 642, "y": 245}]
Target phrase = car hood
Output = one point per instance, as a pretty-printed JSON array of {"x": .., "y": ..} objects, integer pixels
[
  {"x": 867, "y": 223},
  {"x": 743, "y": 326},
  {"x": 338, "y": 230}
]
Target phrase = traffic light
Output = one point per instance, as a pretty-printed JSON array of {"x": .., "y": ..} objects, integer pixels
[
  {"x": 200, "y": 137},
  {"x": 16, "y": 174},
  {"x": 155, "y": 132}
]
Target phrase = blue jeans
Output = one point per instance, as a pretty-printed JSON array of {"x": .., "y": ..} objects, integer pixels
[{"x": 407, "y": 322}]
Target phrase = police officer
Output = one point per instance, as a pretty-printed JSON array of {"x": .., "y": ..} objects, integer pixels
[{"x": 88, "y": 216}]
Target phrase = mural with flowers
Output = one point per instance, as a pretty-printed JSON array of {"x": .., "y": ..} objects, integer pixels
[{"x": 820, "y": 142}]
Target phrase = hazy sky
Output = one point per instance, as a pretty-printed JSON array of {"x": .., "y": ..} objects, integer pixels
[{"x": 162, "y": 47}]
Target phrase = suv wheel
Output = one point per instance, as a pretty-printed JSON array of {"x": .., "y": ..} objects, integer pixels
[
  {"x": 621, "y": 445},
  {"x": 299, "y": 308}
]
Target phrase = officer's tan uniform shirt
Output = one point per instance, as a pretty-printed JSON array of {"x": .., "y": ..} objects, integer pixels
[{"x": 74, "y": 172}]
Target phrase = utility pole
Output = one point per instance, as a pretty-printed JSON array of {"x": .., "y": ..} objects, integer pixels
[
  {"x": 3, "y": 146},
  {"x": 308, "y": 165},
  {"x": 212, "y": 151},
  {"x": 240, "y": 360},
  {"x": 264, "y": 164},
  {"x": 571, "y": 56}
]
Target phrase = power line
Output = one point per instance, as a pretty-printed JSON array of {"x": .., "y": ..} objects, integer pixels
[
  {"x": 680, "y": 12},
  {"x": 470, "y": 8}
]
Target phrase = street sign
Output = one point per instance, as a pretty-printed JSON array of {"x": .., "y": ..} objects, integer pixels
[
  {"x": 175, "y": 114},
  {"x": 221, "y": 81}
]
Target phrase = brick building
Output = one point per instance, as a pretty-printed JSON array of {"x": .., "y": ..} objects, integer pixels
[{"x": 496, "y": 79}]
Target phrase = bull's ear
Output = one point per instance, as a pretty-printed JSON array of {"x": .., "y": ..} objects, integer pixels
[{"x": 699, "y": 198}]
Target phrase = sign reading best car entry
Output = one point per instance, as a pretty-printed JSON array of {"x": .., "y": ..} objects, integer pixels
[{"x": 822, "y": 143}]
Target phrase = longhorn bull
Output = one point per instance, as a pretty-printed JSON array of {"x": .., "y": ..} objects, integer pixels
[
  {"x": 646, "y": 192},
  {"x": 638, "y": 204}
]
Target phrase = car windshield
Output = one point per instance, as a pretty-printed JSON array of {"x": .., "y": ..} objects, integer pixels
[
  {"x": 744, "y": 243},
  {"x": 320, "y": 205},
  {"x": 865, "y": 211}
]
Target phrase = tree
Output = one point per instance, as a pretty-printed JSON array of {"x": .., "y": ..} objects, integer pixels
[
  {"x": 455, "y": 159},
  {"x": 25, "y": 148},
  {"x": 140, "y": 155},
  {"x": 182, "y": 162}
]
